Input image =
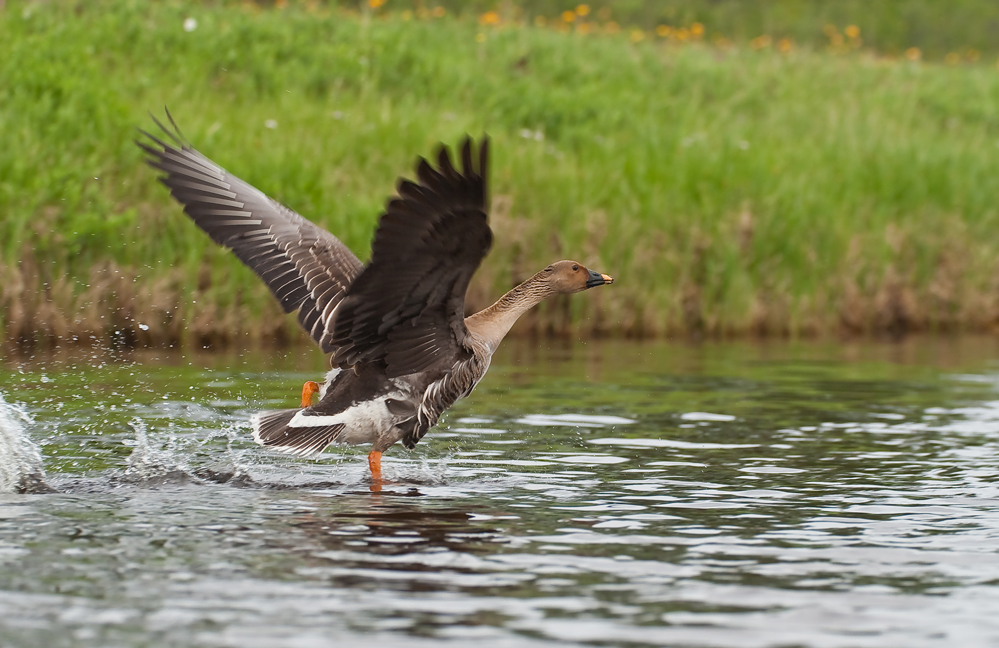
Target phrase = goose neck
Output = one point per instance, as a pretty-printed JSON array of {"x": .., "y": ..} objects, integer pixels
[{"x": 493, "y": 323}]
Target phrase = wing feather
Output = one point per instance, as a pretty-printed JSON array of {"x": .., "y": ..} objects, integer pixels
[
  {"x": 305, "y": 267},
  {"x": 406, "y": 308}
]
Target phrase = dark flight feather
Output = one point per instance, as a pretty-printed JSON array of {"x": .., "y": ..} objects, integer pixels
[
  {"x": 306, "y": 268},
  {"x": 429, "y": 243}
]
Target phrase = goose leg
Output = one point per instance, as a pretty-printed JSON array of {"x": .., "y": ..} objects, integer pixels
[
  {"x": 375, "y": 464},
  {"x": 308, "y": 389}
]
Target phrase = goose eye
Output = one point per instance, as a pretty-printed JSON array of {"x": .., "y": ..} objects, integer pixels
[
  {"x": 549, "y": 268},
  {"x": 575, "y": 268}
]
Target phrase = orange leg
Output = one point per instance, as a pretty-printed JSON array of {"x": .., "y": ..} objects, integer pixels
[
  {"x": 375, "y": 464},
  {"x": 308, "y": 389}
]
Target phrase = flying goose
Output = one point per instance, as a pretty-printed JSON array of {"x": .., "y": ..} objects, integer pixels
[{"x": 402, "y": 349}]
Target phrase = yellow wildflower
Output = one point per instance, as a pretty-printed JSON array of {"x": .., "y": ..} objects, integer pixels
[
  {"x": 374, "y": 4},
  {"x": 281, "y": 4},
  {"x": 583, "y": 10},
  {"x": 438, "y": 12},
  {"x": 613, "y": 27},
  {"x": 663, "y": 31},
  {"x": 913, "y": 54},
  {"x": 682, "y": 34},
  {"x": 852, "y": 31},
  {"x": 583, "y": 28},
  {"x": 568, "y": 16},
  {"x": 489, "y": 18},
  {"x": 784, "y": 45},
  {"x": 697, "y": 30},
  {"x": 637, "y": 35},
  {"x": 760, "y": 42}
]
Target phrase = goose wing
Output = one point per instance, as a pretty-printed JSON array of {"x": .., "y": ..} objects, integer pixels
[
  {"x": 307, "y": 268},
  {"x": 406, "y": 308}
]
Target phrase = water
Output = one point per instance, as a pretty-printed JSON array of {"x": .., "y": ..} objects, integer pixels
[{"x": 586, "y": 495}]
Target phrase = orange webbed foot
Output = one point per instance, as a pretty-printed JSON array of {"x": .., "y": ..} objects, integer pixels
[{"x": 308, "y": 390}]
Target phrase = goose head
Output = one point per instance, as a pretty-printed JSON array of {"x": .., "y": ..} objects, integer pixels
[
  {"x": 564, "y": 277},
  {"x": 490, "y": 325}
]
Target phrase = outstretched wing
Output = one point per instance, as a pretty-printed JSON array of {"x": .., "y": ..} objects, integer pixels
[
  {"x": 406, "y": 308},
  {"x": 306, "y": 267}
]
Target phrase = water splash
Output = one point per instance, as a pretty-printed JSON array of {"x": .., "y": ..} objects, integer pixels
[
  {"x": 149, "y": 465},
  {"x": 231, "y": 468},
  {"x": 21, "y": 469}
]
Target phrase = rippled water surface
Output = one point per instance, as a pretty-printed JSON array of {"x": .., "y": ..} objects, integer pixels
[{"x": 585, "y": 495}]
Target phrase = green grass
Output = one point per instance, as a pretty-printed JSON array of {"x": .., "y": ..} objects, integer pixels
[
  {"x": 937, "y": 28},
  {"x": 728, "y": 190}
]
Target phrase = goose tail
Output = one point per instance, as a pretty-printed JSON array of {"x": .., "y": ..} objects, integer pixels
[{"x": 284, "y": 431}]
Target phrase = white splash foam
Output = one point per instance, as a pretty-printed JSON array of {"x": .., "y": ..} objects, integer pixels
[{"x": 21, "y": 466}]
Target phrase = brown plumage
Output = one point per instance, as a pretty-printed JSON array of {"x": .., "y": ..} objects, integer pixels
[{"x": 402, "y": 350}]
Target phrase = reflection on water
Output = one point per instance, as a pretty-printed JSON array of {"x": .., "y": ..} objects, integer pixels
[{"x": 615, "y": 494}]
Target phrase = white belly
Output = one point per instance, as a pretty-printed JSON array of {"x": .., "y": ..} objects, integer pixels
[{"x": 363, "y": 422}]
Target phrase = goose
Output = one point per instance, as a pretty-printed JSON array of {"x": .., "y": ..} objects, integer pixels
[{"x": 401, "y": 349}]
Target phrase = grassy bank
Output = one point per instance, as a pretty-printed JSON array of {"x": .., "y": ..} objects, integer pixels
[
  {"x": 730, "y": 190},
  {"x": 954, "y": 30}
]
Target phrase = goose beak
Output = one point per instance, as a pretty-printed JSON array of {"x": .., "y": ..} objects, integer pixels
[{"x": 597, "y": 279}]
